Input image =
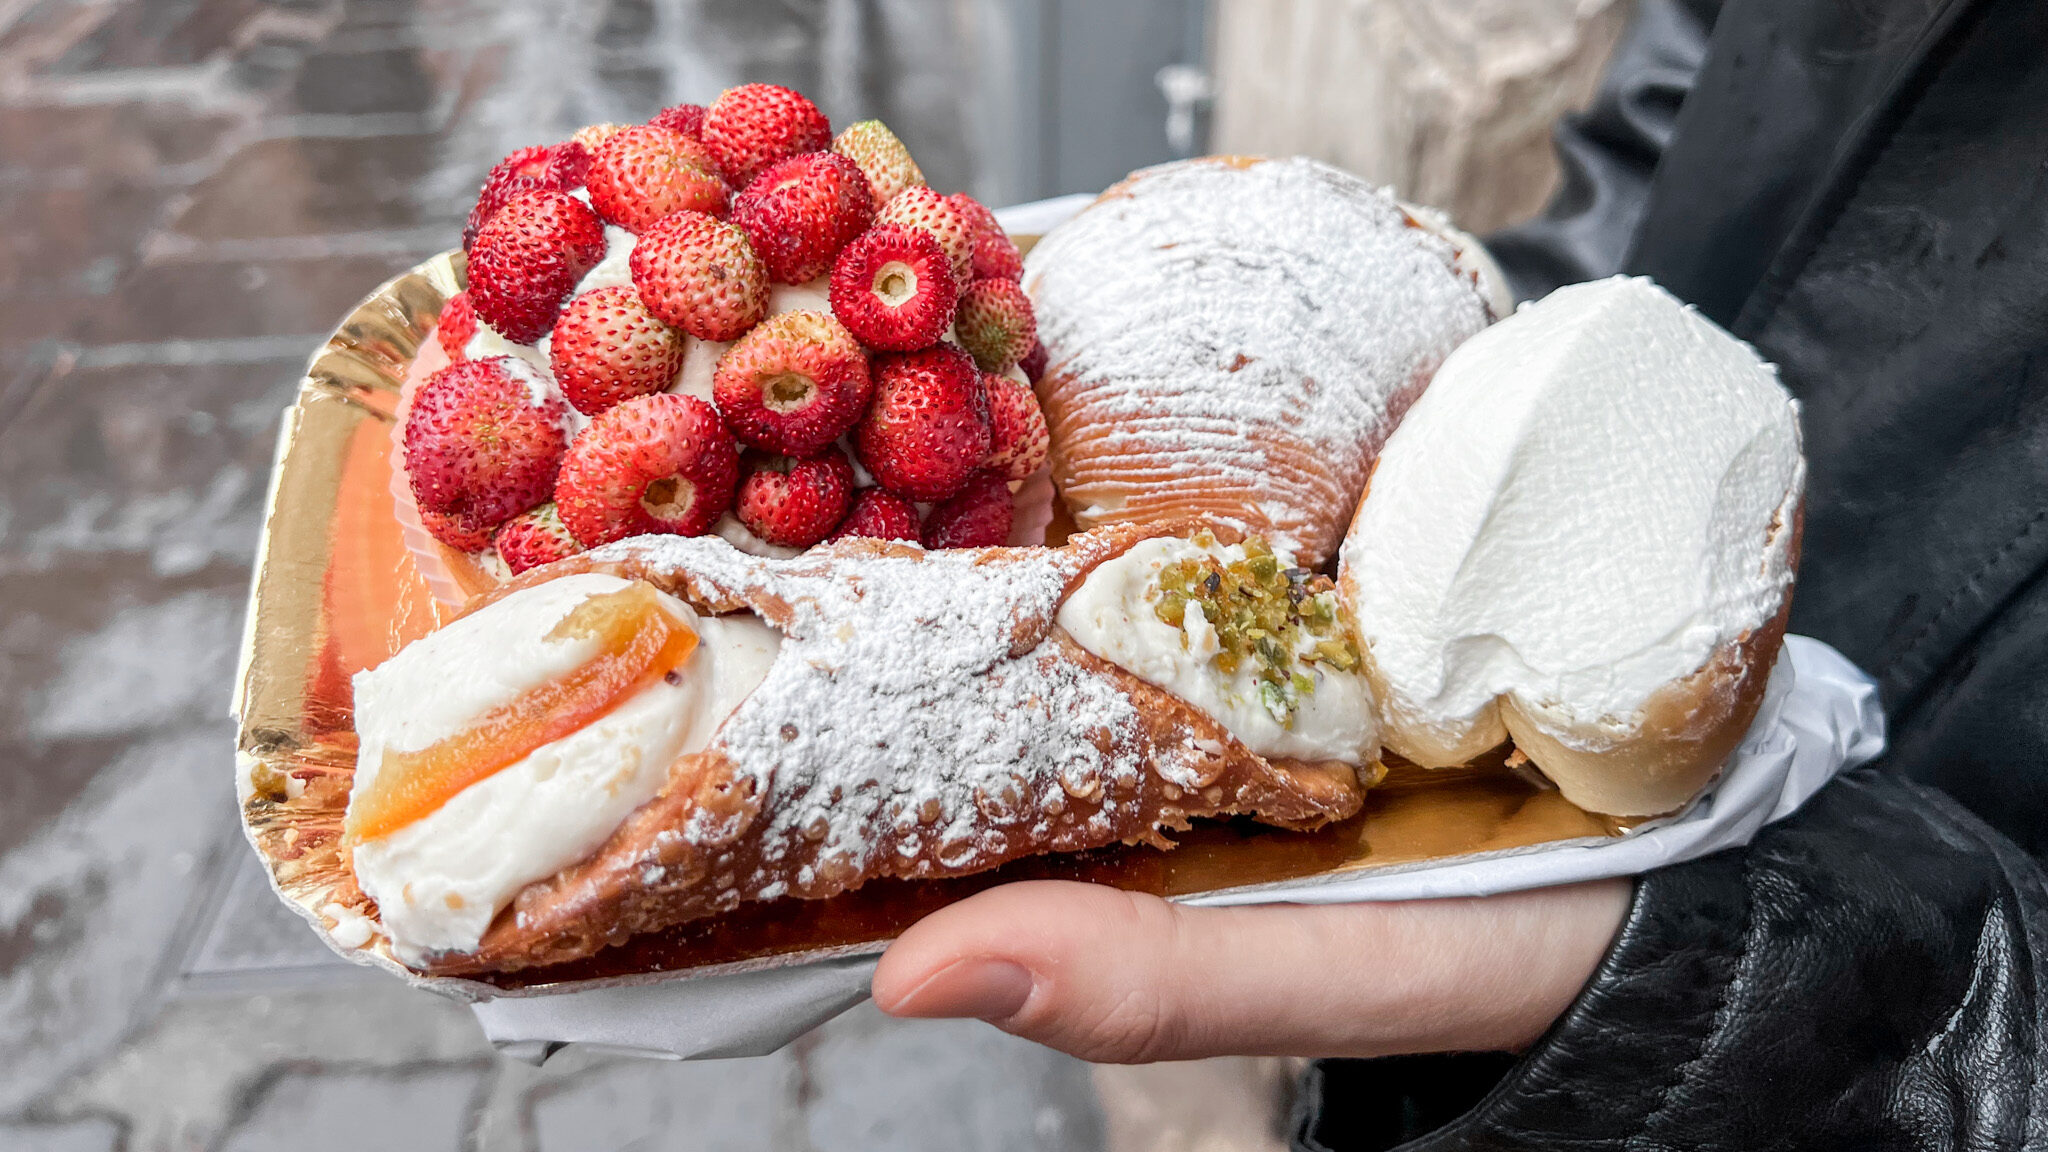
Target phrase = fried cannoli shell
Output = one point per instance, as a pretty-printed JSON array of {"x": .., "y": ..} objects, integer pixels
[{"x": 709, "y": 841}]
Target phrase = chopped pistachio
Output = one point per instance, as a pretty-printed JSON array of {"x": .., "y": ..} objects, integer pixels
[
  {"x": 1282, "y": 618},
  {"x": 1276, "y": 703}
]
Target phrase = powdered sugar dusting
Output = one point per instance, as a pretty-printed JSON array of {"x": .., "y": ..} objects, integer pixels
[
  {"x": 912, "y": 698},
  {"x": 1239, "y": 339}
]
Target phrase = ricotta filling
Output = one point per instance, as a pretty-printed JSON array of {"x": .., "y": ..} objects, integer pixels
[
  {"x": 1591, "y": 498},
  {"x": 440, "y": 880},
  {"x": 1112, "y": 614}
]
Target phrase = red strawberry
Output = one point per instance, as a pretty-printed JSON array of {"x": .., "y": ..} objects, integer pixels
[
  {"x": 927, "y": 211},
  {"x": 478, "y": 445},
  {"x": 457, "y": 325},
  {"x": 802, "y": 211},
  {"x": 881, "y": 156},
  {"x": 1018, "y": 440},
  {"x": 608, "y": 347},
  {"x": 793, "y": 384},
  {"x": 527, "y": 170},
  {"x": 995, "y": 323},
  {"x": 460, "y": 532},
  {"x": 700, "y": 274},
  {"x": 1034, "y": 362},
  {"x": 643, "y": 174},
  {"x": 927, "y": 427},
  {"x": 660, "y": 463},
  {"x": 978, "y": 516},
  {"x": 687, "y": 119},
  {"x": 752, "y": 126},
  {"x": 880, "y": 515},
  {"x": 533, "y": 538},
  {"x": 794, "y": 502},
  {"x": 571, "y": 163},
  {"x": 995, "y": 256},
  {"x": 894, "y": 288},
  {"x": 528, "y": 259}
]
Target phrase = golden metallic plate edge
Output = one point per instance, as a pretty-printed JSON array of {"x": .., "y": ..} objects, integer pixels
[{"x": 355, "y": 377}]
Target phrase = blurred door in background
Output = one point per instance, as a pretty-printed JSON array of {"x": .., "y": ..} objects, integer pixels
[
  {"x": 1071, "y": 95},
  {"x": 1449, "y": 101}
]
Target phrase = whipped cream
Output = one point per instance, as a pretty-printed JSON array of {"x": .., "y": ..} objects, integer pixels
[
  {"x": 440, "y": 880},
  {"x": 1111, "y": 615},
  {"x": 1591, "y": 497}
]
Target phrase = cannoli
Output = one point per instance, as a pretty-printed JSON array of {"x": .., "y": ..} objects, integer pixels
[{"x": 665, "y": 728}]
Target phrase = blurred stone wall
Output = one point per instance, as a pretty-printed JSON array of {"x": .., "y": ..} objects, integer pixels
[{"x": 1449, "y": 101}]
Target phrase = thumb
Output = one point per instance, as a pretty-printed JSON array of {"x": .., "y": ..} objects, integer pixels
[{"x": 1124, "y": 977}]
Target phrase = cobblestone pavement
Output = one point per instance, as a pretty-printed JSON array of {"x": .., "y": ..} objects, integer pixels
[{"x": 194, "y": 190}]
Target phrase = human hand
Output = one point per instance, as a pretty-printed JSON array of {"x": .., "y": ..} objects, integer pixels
[{"x": 1121, "y": 977}]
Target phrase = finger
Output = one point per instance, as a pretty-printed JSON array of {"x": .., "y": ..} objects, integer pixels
[{"x": 1123, "y": 977}]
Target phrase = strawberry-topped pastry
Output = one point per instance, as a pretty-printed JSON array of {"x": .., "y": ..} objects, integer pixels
[{"x": 646, "y": 302}]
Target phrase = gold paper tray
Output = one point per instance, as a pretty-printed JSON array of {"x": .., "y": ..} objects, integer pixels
[{"x": 335, "y": 591}]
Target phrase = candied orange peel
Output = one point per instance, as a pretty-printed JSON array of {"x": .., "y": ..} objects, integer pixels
[{"x": 638, "y": 641}]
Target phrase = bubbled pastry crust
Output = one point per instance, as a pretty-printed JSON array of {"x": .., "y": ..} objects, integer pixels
[{"x": 925, "y": 718}]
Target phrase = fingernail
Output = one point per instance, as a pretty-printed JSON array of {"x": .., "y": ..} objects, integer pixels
[{"x": 983, "y": 989}]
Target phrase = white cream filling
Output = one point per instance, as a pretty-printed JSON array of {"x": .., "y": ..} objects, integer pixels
[
  {"x": 1111, "y": 615},
  {"x": 1591, "y": 497},
  {"x": 439, "y": 881}
]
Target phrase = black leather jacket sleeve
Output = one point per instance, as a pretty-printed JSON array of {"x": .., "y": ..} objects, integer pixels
[
  {"x": 1871, "y": 974},
  {"x": 1608, "y": 153}
]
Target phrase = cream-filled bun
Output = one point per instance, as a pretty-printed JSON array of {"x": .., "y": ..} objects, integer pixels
[{"x": 1582, "y": 537}]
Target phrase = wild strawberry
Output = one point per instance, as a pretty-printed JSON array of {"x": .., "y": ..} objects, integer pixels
[
  {"x": 457, "y": 325},
  {"x": 995, "y": 323},
  {"x": 533, "y": 538},
  {"x": 701, "y": 275},
  {"x": 571, "y": 164},
  {"x": 460, "y": 532},
  {"x": 893, "y": 288},
  {"x": 927, "y": 427},
  {"x": 927, "y": 211},
  {"x": 793, "y": 384},
  {"x": 1035, "y": 362},
  {"x": 880, "y": 515},
  {"x": 882, "y": 158},
  {"x": 643, "y": 174},
  {"x": 660, "y": 463},
  {"x": 687, "y": 119},
  {"x": 995, "y": 256},
  {"x": 528, "y": 259},
  {"x": 1018, "y": 441},
  {"x": 794, "y": 502},
  {"x": 978, "y": 516},
  {"x": 752, "y": 126},
  {"x": 802, "y": 211},
  {"x": 478, "y": 445},
  {"x": 593, "y": 136},
  {"x": 608, "y": 347},
  {"x": 527, "y": 170}
]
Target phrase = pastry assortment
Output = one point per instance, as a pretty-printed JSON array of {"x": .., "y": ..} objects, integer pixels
[{"x": 742, "y": 410}]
